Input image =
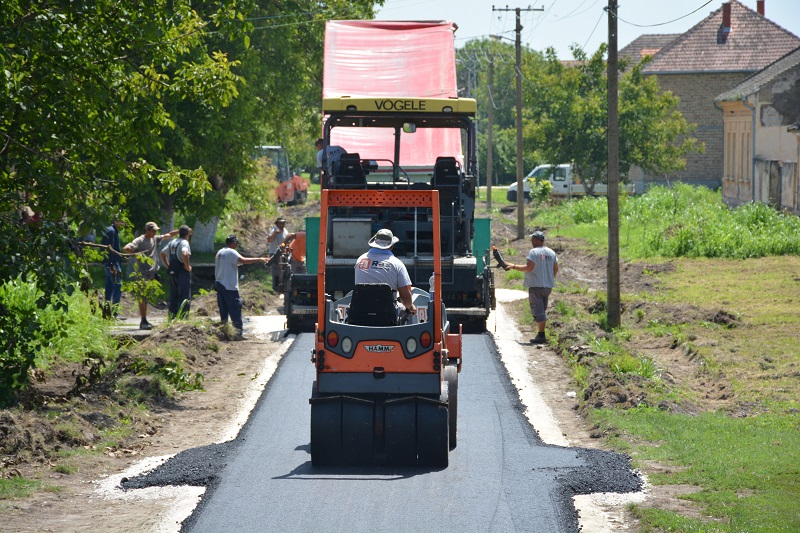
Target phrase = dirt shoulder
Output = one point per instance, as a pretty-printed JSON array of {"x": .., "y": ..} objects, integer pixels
[{"x": 75, "y": 502}]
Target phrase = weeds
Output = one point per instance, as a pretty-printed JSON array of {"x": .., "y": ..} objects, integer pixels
[
  {"x": 565, "y": 309},
  {"x": 745, "y": 466},
  {"x": 17, "y": 487},
  {"x": 171, "y": 371}
]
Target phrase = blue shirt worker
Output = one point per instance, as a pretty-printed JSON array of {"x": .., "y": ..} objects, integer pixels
[
  {"x": 113, "y": 266},
  {"x": 379, "y": 265},
  {"x": 226, "y": 276},
  {"x": 540, "y": 270},
  {"x": 176, "y": 256}
]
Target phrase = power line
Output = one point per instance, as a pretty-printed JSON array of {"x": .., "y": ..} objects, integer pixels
[
  {"x": 593, "y": 29},
  {"x": 662, "y": 23}
]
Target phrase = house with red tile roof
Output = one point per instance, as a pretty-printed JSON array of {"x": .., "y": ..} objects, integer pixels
[
  {"x": 761, "y": 139},
  {"x": 731, "y": 44},
  {"x": 648, "y": 44}
]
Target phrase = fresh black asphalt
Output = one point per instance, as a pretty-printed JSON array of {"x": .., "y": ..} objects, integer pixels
[{"x": 501, "y": 476}]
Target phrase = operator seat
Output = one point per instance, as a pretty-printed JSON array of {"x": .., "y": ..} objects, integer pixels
[
  {"x": 446, "y": 179},
  {"x": 446, "y": 172},
  {"x": 349, "y": 173},
  {"x": 372, "y": 304}
]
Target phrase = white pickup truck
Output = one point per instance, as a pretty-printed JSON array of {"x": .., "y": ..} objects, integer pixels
[{"x": 564, "y": 181}]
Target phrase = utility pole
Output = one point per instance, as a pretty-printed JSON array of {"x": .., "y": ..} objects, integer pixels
[
  {"x": 613, "y": 303},
  {"x": 489, "y": 136},
  {"x": 518, "y": 50}
]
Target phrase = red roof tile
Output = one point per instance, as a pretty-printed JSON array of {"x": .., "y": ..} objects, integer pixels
[
  {"x": 752, "y": 43},
  {"x": 647, "y": 44}
]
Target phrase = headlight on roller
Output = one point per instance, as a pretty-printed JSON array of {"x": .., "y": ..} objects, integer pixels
[
  {"x": 347, "y": 345},
  {"x": 411, "y": 345}
]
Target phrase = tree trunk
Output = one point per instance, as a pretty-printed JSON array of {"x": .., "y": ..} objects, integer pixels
[{"x": 203, "y": 235}]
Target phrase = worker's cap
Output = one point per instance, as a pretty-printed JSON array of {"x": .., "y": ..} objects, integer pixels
[
  {"x": 537, "y": 235},
  {"x": 280, "y": 220},
  {"x": 151, "y": 225},
  {"x": 231, "y": 239},
  {"x": 383, "y": 240}
]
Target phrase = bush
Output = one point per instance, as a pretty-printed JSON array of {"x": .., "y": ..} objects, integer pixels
[
  {"x": 33, "y": 333},
  {"x": 21, "y": 336}
]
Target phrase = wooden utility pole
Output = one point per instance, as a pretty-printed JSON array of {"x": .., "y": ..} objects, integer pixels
[
  {"x": 518, "y": 50},
  {"x": 613, "y": 303},
  {"x": 489, "y": 136}
]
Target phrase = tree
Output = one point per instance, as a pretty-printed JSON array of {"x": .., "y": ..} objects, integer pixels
[
  {"x": 82, "y": 104},
  {"x": 568, "y": 119},
  {"x": 276, "y": 50},
  {"x": 473, "y": 81}
]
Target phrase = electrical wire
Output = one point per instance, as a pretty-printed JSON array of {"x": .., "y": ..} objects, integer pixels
[
  {"x": 662, "y": 23},
  {"x": 593, "y": 30}
]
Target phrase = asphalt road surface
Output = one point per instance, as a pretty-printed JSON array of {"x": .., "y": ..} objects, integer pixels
[{"x": 501, "y": 476}]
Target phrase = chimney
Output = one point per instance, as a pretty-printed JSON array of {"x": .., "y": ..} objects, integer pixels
[
  {"x": 760, "y": 7},
  {"x": 726, "y": 17}
]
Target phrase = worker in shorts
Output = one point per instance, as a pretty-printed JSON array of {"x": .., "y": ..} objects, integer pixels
[{"x": 540, "y": 271}]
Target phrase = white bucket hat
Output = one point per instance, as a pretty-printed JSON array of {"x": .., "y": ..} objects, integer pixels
[{"x": 383, "y": 240}]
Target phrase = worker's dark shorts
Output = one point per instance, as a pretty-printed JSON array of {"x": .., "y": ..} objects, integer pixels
[{"x": 538, "y": 298}]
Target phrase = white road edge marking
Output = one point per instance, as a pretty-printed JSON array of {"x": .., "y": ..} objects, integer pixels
[
  {"x": 598, "y": 512},
  {"x": 186, "y": 498}
]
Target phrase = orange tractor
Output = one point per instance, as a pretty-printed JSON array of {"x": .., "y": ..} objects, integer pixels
[
  {"x": 386, "y": 392},
  {"x": 292, "y": 189}
]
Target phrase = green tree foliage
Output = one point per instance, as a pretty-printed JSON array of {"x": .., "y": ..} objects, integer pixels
[
  {"x": 20, "y": 338},
  {"x": 275, "y": 49},
  {"x": 134, "y": 108},
  {"x": 130, "y": 106},
  {"x": 568, "y": 120},
  {"x": 565, "y": 112},
  {"x": 83, "y": 102},
  {"x": 474, "y": 61}
]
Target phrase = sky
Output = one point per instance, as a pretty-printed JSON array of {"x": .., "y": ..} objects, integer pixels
[{"x": 581, "y": 22}]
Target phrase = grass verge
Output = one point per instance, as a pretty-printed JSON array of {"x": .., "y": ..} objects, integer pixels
[{"x": 701, "y": 384}]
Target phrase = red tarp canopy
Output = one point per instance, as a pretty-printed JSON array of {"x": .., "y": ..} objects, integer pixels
[{"x": 392, "y": 58}]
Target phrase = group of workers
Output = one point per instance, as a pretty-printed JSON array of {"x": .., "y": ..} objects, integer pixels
[
  {"x": 175, "y": 256},
  {"x": 377, "y": 265},
  {"x": 147, "y": 249}
]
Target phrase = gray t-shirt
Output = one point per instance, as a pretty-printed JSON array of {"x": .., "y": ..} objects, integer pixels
[
  {"x": 542, "y": 274},
  {"x": 278, "y": 240},
  {"x": 147, "y": 248},
  {"x": 334, "y": 154},
  {"x": 178, "y": 246},
  {"x": 226, "y": 268},
  {"x": 381, "y": 266}
]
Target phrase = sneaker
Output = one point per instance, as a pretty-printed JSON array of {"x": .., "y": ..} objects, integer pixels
[
  {"x": 539, "y": 339},
  {"x": 120, "y": 318},
  {"x": 145, "y": 325}
]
